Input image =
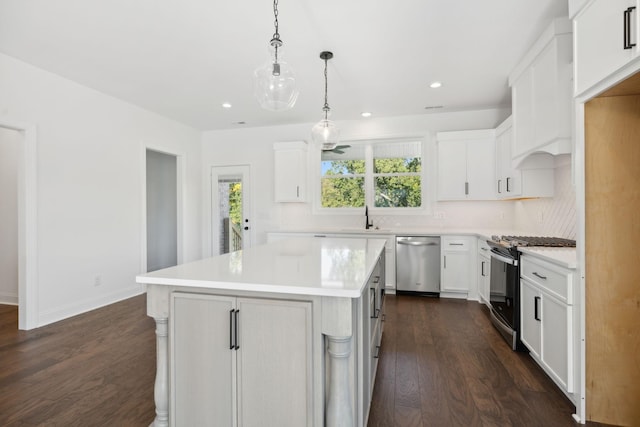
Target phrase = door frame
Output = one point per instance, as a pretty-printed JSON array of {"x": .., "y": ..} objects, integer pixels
[
  {"x": 211, "y": 231},
  {"x": 180, "y": 186},
  {"x": 27, "y": 224}
]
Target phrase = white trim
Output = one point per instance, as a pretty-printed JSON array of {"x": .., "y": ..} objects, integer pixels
[
  {"x": 180, "y": 197},
  {"x": 27, "y": 224},
  {"x": 79, "y": 307}
]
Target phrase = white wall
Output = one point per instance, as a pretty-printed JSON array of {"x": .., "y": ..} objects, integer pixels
[
  {"x": 9, "y": 140},
  {"x": 551, "y": 216},
  {"x": 254, "y": 146},
  {"x": 90, "y": 157}
]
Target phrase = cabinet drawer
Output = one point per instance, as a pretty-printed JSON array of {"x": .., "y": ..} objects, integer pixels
[
  {"x": 555, "y": 280},
  {"x": 450, "y": 244}
]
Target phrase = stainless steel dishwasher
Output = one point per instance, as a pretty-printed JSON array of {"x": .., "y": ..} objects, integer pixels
[{"x": 418, "y": 264}]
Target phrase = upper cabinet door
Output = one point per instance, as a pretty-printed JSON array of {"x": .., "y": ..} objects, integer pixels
[
  {"x": 604, "y": 33},
  {"x": 452, "y": 170},
  {"x": 290, "y": 172},
  {"x": 481, "y": 166}
]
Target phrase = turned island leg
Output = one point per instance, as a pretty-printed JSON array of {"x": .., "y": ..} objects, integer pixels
[
  {"x": 161, "y": 388},
  {"x": 339, "y": 412}
]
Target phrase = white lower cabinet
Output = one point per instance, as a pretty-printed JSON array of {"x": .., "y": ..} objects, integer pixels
[
  {"x": 240, "y": 361},
  {"x": 546, "y": 312},
  {"x": 457, "y": 274},
  {"x": 484, "y": 271}
]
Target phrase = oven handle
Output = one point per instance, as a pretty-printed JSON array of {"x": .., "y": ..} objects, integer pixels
[{"x": 504, "y": 259}]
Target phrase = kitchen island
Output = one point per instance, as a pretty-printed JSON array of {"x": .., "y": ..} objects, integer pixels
[{"x": 283, "y": 334}]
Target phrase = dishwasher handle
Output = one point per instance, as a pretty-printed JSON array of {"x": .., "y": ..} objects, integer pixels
[{"x": 414, "y": 243}]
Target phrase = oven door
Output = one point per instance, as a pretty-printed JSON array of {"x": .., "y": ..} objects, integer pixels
[{"x": 503, "y": 286}]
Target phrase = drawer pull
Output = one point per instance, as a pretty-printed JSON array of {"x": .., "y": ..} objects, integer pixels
[
  {"x": 540, "y": 276},
  {"x": 456, "y": 244}
]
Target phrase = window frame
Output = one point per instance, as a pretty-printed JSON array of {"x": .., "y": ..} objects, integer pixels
[{"x": 427, "y": 165}]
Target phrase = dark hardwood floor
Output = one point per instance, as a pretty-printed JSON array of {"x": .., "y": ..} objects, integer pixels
[
  {"x": 442, "y": 364},
  {"x": 96, "y": 369}
]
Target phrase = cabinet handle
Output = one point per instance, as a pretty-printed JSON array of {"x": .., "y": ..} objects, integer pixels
[
  {"x": 231, "y": 329},
  {"x": 627, "y": 28},
  {"x": 482, "y": 267},
  {"x": 499, "y": 186},
  {"x": 508, "y": 181},
  {"x": 536, "y": 307},
  {"x": 456, "y": 244},
  {"x": 445, "y": 261},
  {"x": 374, "y": 310},
  {"x": 237, "y": 346},
  {"x": 377, "y": 355},
  {"x": 540, "y": 276},
  {"x": 297, "y": 191},
  {"x": 466, "y": 188}
]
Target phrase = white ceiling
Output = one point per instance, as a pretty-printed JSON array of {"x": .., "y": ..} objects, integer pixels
[{"x": 183, "y": 59}]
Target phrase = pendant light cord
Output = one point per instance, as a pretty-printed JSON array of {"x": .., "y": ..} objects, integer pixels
[
  {"x": 326, "y": 85},
  {"x": 275, "y": 41}
]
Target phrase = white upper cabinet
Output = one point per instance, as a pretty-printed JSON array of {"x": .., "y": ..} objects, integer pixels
[
  {"x": 542, "y": 94},
  {"x": 466, "y": 165},
  {"x": 290, "y": 171},
  {"x": 534, "y": 178},
  {"x": 606, "y": 40}
]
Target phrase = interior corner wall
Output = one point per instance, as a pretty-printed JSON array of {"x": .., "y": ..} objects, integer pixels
[
  {"x": 90, "y": 186},
  {"x": 551, "y": 216},
  {"x": 9, "y": 155},
  {"x": 254, "y": 146}
]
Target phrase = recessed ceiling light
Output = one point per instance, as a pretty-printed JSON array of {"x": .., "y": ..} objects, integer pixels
[
  {"x": 365, "y": 114},
  {"x": 435, "y": 85},
  {"x": 226, "y": 105}
]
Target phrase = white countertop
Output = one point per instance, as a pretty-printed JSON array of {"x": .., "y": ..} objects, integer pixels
[
  {"x": 336, "y": 267},
  {"x": 564, "y": 257}
]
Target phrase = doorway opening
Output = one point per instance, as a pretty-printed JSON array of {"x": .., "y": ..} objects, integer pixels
[
  {"x": 230, "y": 209},
  {"x": 161, "y": 210},
  {"x": 23, "y": 138}
]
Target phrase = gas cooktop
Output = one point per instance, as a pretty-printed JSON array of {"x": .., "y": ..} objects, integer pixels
[{"x": 515, "y": 241}]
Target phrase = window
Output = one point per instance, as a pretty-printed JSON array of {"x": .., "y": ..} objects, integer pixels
[
  {"x": 380, "y": 174},
  {"x": 343, "y": 176},
  {"x": 396, "y": 175}
]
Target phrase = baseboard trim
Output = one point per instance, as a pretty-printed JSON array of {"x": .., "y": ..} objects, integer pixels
[
  {"x": 60, "y": 313},
  {"x": 8, "y": 299}
]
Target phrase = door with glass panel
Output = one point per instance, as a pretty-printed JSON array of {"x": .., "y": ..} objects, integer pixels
[{"x": 230, "y": 209}]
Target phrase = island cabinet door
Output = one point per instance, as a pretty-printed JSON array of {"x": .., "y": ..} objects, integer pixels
[
  {"x": 202, "y": 364},
  {"x": 275, "y": 363}
]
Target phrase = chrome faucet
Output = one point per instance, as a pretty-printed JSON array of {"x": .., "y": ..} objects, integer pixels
[{"x": 367, "y": 224}]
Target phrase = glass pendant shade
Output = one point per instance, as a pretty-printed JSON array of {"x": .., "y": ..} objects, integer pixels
[
  {"x": 275, "y": 85},
  {"x": 325, "y": 134}
]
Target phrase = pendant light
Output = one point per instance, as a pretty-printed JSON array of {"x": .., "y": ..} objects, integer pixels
[
  {"x": 325, "y": 133},
  {"x": 275, "y": 81}
]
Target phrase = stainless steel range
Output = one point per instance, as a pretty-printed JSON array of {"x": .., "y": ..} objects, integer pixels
[{"x": 504, "y": 296}]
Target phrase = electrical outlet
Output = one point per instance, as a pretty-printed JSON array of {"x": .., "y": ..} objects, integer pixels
[
  {"x": 439, "y": 215},
  {"x": 501, "y": 215},
  {"x": 541, "y": 217},
  {"x": 97, "y": 281}
]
